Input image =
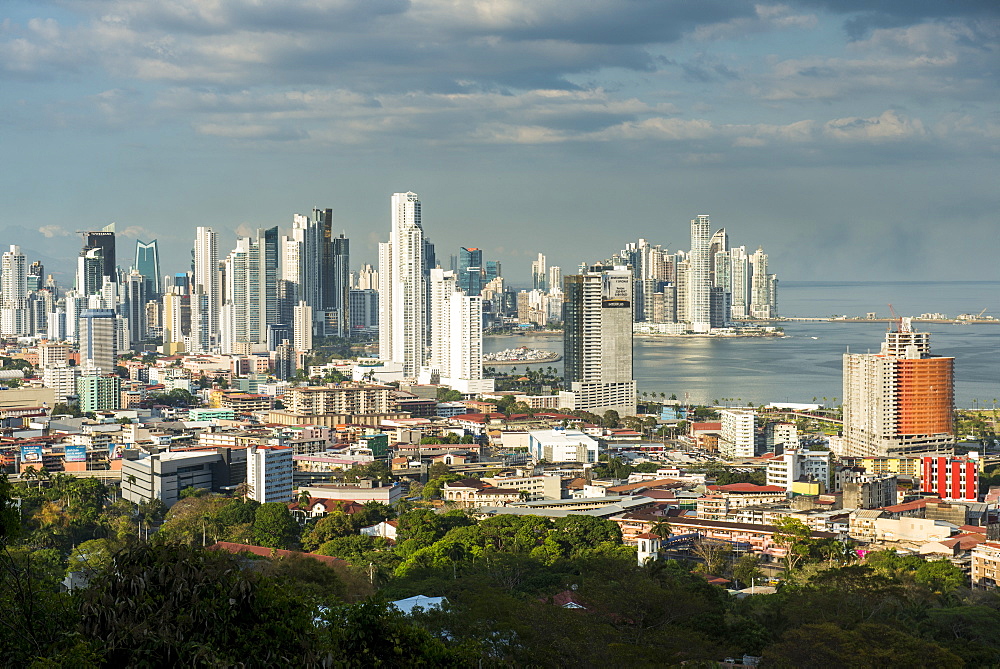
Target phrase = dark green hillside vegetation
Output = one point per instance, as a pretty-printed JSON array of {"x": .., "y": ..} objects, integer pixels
[{"x": 520, "y": 591}]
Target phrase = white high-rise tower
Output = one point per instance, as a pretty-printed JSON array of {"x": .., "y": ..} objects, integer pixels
[
  {"x": 699, "y": 275},
  {"x": 538, "y": 273},
  {"x": 402, "y": 289},
  {"x": 301, "y": 260},
  {"x": 14, "y": 290},
  {"x": 740, "y": 281},
  {"x": 207, "y": 281},
  {"x": 760, "y": 286},
  {"x": 456, "y": 340}
]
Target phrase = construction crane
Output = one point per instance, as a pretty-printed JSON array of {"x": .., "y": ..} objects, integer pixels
[
  {"x": 897, "y": 319},
  {"x": 980, "y": 314}
]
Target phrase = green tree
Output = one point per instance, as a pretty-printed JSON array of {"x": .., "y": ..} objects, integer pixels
[
  {"x": 374, "y": 634},
  {"x": 796, "y": 538},
  {"x": 579, "y": 533},
  {"x": 372, "y": 513},
  {"x": 188, "y": 606},
  {"x": 358, "y": 549},
  {"x": 661, "y": 528},
  {"x": 746, "y": 569},
  {"x": 331, "y": 526},
  {"x": 274, "y": 527},
  {"x": 91, "y": 556},
  {"x": 434, "y": 487},
  {"x": 10, "y": 516},
  {"x": 941, "y": 576},
  {"x": 819, "y": 646},
  {"x": 437, "y": 469},
  {"x": 191, "y": 491}
]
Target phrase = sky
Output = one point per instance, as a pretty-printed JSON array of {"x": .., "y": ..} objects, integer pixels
[{"x": 852, "y": 140}]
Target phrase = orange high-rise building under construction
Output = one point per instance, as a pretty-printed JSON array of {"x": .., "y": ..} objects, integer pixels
[{"x": 899, "y": 401}]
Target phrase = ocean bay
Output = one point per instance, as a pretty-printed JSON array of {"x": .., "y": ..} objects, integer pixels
[{"x": 807, "y": 361}]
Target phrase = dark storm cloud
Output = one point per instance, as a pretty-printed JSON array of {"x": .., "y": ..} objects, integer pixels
[
  {"x": 873, "y": 14},
  {"x": 629, "y": 22}
]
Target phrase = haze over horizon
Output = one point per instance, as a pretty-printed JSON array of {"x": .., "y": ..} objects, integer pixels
[{"x": 854, "y": 141}]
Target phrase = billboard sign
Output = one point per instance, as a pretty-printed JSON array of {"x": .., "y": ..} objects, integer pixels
[
  {"x": 115, "y": 451},
  {"x": 616, "y": 291},
  {"x": 31, "y": 454},
  {"x": 76, "y": 452}
]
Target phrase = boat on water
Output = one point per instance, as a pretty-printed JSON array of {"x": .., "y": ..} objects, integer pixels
[{"x": 521, "y": 355}]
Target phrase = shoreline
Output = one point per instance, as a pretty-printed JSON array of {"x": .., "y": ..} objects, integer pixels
[
  {"x": 555, "y": 357},
  {"x": 828, "y": 319}
]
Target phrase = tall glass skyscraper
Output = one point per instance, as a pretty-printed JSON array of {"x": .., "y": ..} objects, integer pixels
[
  {"x": 147, "y": 263},
  {"x": 105, "y": 241},
  {"x": 470, "y": 271},
  {"x": 250, "y": 291},
  {"x": 597, "y": 340}
]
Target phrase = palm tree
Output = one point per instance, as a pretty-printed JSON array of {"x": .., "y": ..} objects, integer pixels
[
  {"x": 662, "y": 529},
  {"x": 244, "y": 490},
  {"x": 303, "y": 499}
]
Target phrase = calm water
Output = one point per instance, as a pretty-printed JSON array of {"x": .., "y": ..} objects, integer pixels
[{"x": 807, "y": 362}]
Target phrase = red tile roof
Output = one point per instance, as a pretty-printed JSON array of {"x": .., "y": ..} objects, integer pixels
[
  {"x": 746, "y": 487},
  {"x": 706, "y": 427},
  {"x": 965, "y": 542},
  {"x": 642, "y": 485},
  {"x": 973, "y": 529},
  {"x": 566, "y": 599},
  {"x": 347, "y": 506},
  {"x": 467, "y": 483},
  {"x": 910, "y": 506},
  {"x": 481, "y": 417}
]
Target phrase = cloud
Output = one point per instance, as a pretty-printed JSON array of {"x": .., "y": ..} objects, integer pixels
[
  {"x": 50, "y": 231},
  {"x": 250, "y": 131},
  {"x": 135, "y": 231},
  {"x": 867, "y": 15},
  {"x": 921, "y": 62},
  {"x": 429, "y": 45},
  {"x": 766, "y": 18},
  {"x": 888, "y": 126}
]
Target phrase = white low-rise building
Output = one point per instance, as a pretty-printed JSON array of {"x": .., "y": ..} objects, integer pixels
[
  {"x": 738, "y": 438},
  {"x": 986, "y": 565},
  {"x": 61, "y": 378},
  {"x": 800, "y": 465},
  {"x": 536, "y": 487},
  {"x": 269, "y": 473},
  {"x": 561, "y": 445}
]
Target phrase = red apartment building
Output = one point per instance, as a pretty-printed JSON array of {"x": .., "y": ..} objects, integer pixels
[{"x": 949, "y": 477}]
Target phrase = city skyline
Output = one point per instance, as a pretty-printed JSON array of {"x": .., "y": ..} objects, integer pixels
[{"x": 813, "y": 125}]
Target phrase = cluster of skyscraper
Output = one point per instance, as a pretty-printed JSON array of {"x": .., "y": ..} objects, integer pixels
[
  {"x": 275, "y": 293},
  {"x": 430, "y": 319},
  {"x": 270, "y": 293},
  {"x": 266, "y": 292},
  {"x": 105, "y": 310},
  {"x": 710, "y": 286}
]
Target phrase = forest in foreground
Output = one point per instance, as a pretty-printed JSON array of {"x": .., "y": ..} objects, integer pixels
[{"x": 162, "y": 598}]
